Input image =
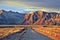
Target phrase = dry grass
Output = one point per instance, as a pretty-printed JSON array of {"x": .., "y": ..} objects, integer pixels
[
  {"x": 52, "y": 32},
  {"x": 7, "y": 31}
]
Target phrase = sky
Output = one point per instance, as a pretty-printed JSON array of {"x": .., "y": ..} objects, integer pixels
[{"x": 30, "y": 5}]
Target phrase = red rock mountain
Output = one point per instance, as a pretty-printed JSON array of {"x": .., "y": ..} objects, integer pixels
[{"x": 42, "y": 18}]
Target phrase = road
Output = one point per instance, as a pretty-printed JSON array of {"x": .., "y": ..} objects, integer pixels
[{"x": 28, "y": 34}]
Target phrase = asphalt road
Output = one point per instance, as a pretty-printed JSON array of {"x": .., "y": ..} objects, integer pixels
[{"x": 29, "y": 34}]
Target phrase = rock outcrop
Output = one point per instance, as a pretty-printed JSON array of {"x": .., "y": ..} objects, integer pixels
[{"x": 1, "y": 11}]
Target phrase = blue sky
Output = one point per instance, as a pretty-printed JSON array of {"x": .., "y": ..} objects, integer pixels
[{"x": 25, "y": 5}]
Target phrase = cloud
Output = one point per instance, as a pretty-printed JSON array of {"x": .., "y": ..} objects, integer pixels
[
  {"x": 55, "y": 4},
  {"x": 39, "y": 3},
  {"x": 42, "y": 3}
]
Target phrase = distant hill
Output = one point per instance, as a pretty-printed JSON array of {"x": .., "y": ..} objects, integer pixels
[
  {"x": 34, "y": 18},
  {"x": 9, "y": 17}
]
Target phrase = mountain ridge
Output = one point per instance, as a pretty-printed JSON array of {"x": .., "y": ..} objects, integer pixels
[
  {"x": 32, "y": 18},
  {"x": 44, "y": 18}
]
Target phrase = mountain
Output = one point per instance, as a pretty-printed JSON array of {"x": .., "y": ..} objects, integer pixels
[
  {"x": 43, "y": 18},
  {"x": 34, "y": 18},
  {"x": 9, "y": 17}
]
